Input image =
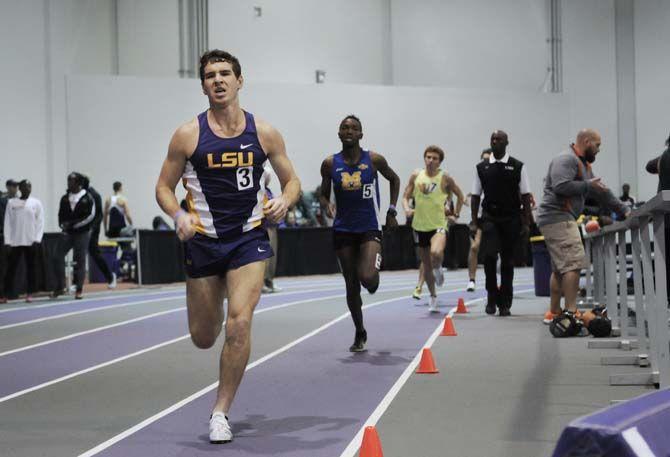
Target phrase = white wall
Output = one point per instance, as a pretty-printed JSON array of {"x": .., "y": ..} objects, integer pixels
[
  {"x": 652, "y": 71},
  {"x": 148, "y": 38},
  {"x": 399, "y": 122},
  {"x": 471, "y": 43},
  {"x": 589, "y": 78},
  {"x": 23, "y": 93},
  {"x": 293, "y": 38},
  {"x": 55, "y": 37}
]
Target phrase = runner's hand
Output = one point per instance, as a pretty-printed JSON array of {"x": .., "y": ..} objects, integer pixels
[
  {"x": 275, "y": 210},
  {"x": 185, "y": 225}
]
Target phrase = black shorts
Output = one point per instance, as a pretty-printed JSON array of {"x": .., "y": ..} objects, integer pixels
[
  {"x": 422, "y": 239},
  {"x": 344, "y": 239},
  {"x": 206, "y": 256}
]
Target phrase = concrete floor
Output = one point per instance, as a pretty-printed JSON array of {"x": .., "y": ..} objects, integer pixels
[{"x": 83, "y": 374}]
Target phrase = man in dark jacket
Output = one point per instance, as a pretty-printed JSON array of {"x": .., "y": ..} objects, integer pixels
[
  {"x": 93, "y": 248},
  {"x": 75, "y": 217},
  {"x": 505, "y": 218},
  {"x": 12, "y": 189}
]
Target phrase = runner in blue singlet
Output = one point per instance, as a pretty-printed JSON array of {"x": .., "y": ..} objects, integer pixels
[{"x": 357, "y": 233}]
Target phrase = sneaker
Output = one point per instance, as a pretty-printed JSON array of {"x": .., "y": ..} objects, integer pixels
[
  {"x": 471, "y": 286},
  {"x": 504, "y": 311},
  {"x": 73, "y": 288},
  {"x": 29, "y": 298},
  {"x": 359, "y": 342},
  {"x": 112, "y": 284},
  {"x": 78, "y": 295},
  {"x": 266, "y": 290},
  {"x": 219, "y": 429},
  {"x": 548, "y": 317},
  {"x": 417, "y": 293},
  {"x": 432, "y": 306},
  {"x": 276, "y": 289},
  {"x": 438, "y": 275}
]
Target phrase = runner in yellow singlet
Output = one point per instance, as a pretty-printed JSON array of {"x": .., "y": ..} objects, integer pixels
[{"x": 429, "y": 187}]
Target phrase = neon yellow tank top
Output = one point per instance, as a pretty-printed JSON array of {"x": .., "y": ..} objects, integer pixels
[{"x": 429, "y": 200}]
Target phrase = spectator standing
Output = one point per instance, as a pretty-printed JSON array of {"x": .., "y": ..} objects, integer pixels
[
  {"x": 117, "y": 212},
  {"x": 23, "y": 230},
  {"x": 93, "y": 243},
  {"x": 75, "y": 216},
  {"x": 12, "y": 188},
  {"x": 626, "y": 197}
]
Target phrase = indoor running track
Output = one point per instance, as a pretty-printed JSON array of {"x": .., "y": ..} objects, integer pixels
[{"x": 117, "y": 375}]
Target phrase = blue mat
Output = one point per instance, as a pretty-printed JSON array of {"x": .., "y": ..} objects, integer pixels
[{"x": 635, "y": 428}]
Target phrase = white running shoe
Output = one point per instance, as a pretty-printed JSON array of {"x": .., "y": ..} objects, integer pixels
[
  {"x": 432, "y": 306},
  {"x": 219, "y": 429},
  {"x": 471, "y": 286},
  {"x": 112, "y": 285},
  {"x": 438, "y": 275}
]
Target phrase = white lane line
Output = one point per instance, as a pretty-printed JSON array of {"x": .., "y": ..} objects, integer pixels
[
  {"x": 121, "y": 305},
  {"x": 352, "y": 449},
  {"x": 137, "y": 319},
  {"x": 84, "y": 311},
  {"x": 200, "y": 393},
  {"x": 127, "y": 356},
  {"x": 88, "y": 370},
  {"x": 93, "y": 330},
  {"x": 51, "y": 303}
]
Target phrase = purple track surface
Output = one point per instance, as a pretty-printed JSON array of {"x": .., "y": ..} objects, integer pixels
[
  {"x": 309, "y": 401},
  {"x": 23, "y": 315},
  {"x": 35, "y": 366}
]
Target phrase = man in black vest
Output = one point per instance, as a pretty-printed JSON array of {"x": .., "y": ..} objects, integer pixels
[{"x": 504, "y": 182}]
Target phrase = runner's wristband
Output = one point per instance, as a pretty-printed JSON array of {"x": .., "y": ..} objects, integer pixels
[{"x": 178, "y": 214}]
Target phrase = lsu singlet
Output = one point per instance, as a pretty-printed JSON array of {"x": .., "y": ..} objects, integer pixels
[
  {"x": 429, "y": 200},
  {"x": 356, "y": 194},
  {"x": 225, "y": 180}
]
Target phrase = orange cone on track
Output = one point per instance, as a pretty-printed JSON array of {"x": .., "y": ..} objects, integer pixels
[
  {"x": 371, "y": 446},
  {"x": 448, "y": 329},
  {"x": 461, "y": 309},
  {"x": 427, "y": 365}
]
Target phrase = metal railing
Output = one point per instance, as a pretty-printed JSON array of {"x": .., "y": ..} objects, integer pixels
[{"x": 606, "y": 254}]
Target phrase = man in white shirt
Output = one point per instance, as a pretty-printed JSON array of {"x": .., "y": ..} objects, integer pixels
[{"x": 23, "y": 229}]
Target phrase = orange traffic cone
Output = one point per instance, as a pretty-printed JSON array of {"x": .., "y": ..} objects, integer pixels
[
  {"x": 371, "y": 446},
  {"x": 461, "y": 309},
  {"x": 448, "y": 329},
  {"x": 427, "y": 365}
]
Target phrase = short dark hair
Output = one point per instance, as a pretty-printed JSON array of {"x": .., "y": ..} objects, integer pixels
[
  {"x": 217, "y": 55},
  {"x": 11, "y": 182},
  {"x": 354, "y": 117},
  {"x": 24, "y": 182},
  {"x": 85, "y": 182},
  {"x": 436, "y": 149},
  {"x": 116, "y": 186}
]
